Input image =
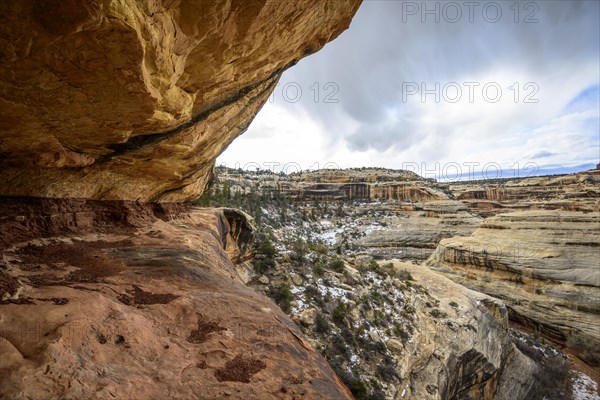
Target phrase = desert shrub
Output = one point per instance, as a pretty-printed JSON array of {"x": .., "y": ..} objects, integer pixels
[
  {"x": 321, "y": 249},
  {"x": 311, "y": 292},
  {"x": 339, "y": 313},
  {"x": 376, "y": 296},
  {"x": 321, "y": 323},
  {"x": 318, "y": 269},
  {"x": 362, "y": 268},
  {"x": 362, "y": 328},
  {"x": 265, "y": 255},
  {"x": 336, "y": 264},
  {"x": 375, "y": 347},
  {"x": 348, "y": 335},
  {"x": 400, "y": 332},
  {"x": 386, "y": 371},
  {"x": 266, "y": 247},
  {"x": 283, "y": 296},
  {"x": 299, "y": 251},
  {"x": 339, "y": 346},
  {"x": 364, "y": 301},
  {"x": 379, "y": 318},
  {"x": 385, "y": 269},
  {"x": 358, "y": 389},
  {"x": 436, "y": 313},
  {"x": 404, "y": 275}
]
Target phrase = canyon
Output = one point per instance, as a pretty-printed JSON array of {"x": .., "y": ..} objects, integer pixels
[
  {"x": 535, "y": 255},
  {"x": 531, "y": 242},
  {"x": 131, "y": 268}
]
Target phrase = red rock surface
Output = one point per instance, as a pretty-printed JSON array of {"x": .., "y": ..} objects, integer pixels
[{"x": 105, "y": 300}]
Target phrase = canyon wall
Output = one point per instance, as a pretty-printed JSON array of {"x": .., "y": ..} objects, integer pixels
[
  {"x": 573, "y": 192},
  {"x": 110, "y": 99},
  {"x": 544, "y": 265},
  {"x": 531, "y": 242},
  {"x": 350, "y": 184},
  {"x": 362, "y": 184},
  {"x": 467, "y": 352}
]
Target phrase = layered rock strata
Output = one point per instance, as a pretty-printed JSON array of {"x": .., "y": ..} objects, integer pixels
[
  {"x": 134, "y": 100},
  {"x": 573, "y": 192},
  {"x": 463, "y": 350},
  {"x": 545, "y": 265}
]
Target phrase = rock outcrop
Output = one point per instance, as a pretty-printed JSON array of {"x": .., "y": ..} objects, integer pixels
[
  {"x": 120, "y": 100},
  {"x": 382, "y": 213},
  {"x": 123, "y": 300},
  {"x": 362, "y": 184},
  {"x": 463, "y": 349},
  {"x": 539, "y": 258},
  {"x": 409, "y": 232},
  {"x": 350, "y": 184},
  {"x": 573, "y": 192},
  {"x": 390, "y": 330},
  {"x": 540, "y": 255},
  {"x": 134, "y": 100},
  {"x": 396, "y": 330},
  {"x": 544, "y": 265}
]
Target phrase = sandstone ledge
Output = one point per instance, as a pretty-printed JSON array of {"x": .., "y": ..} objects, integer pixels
[
  {"x": 123, "y": 300},
  {"x": 543, "y": 264}
]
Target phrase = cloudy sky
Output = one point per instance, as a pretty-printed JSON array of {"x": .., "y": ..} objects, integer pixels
[{"x": 441, "y": 88}]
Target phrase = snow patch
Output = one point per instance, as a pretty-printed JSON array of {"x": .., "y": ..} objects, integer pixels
[{"x": 584, "y": 387}]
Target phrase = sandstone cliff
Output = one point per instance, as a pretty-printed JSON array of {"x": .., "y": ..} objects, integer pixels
[
  {"x": 384, "y": 213},
  {"x": 133, "y": 100},
  {"x": 463, "y": 350},
  {"x": 120, "y": 300},
  {"x": 362, "y": 184},
  {"x": 112, "y": 99},
  {"x": 573, "y": 192},
  {"x": 390, "y": 330},
  {"x": 350, "y": 184},
  {"x": 543, "y": 264},
  {"x": 122, "y": 99}
]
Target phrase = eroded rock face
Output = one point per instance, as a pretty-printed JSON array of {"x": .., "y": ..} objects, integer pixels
[
  {"x": 543, "y": 264},
  {"x": 573, "y": 192},
  {"x": 122, "y": 300},
  {"x": 112, "y": 99},
  {"x": 536, "y": 247},
  {"x": 366, "y": 184},
  {"x": 349, "y": 184},
  {"x": 464, "y": 351},
  {"x": 240, "y": 236}
]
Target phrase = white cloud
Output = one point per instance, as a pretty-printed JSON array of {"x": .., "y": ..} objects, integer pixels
[{"x": 368, "y": 67}]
